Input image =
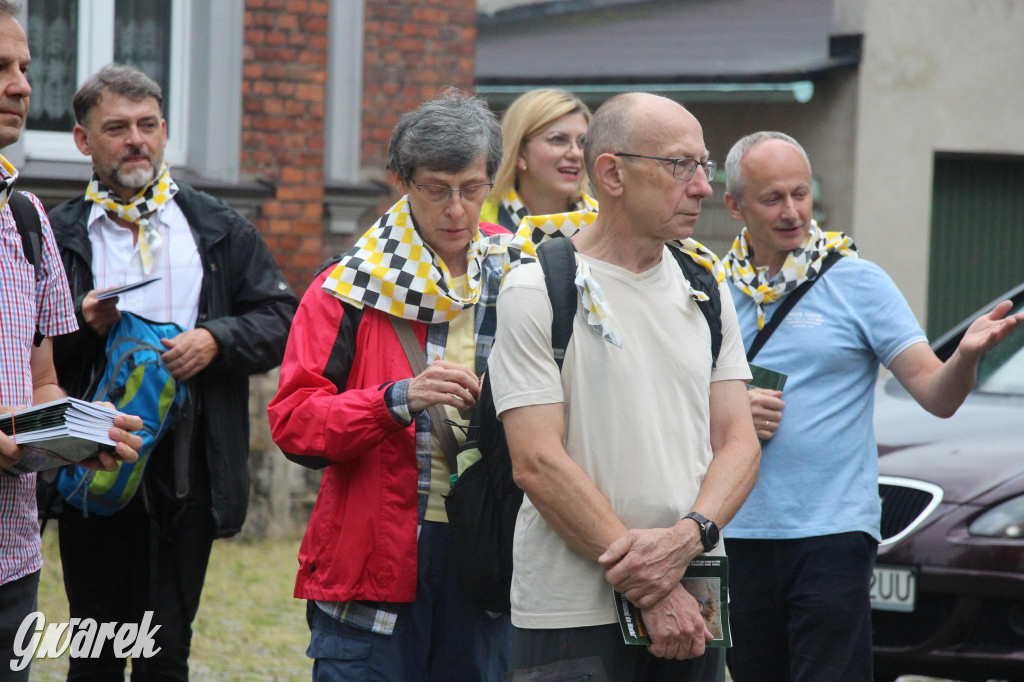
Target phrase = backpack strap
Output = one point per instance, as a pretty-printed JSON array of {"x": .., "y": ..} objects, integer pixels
[
  {"x": 31, "y": 230},
  {"x": 787, "y": 305},
  {"x": 29, "y": 227},
  {"x": 558, "y": 260},
  {"x": 703, "y": 281}
]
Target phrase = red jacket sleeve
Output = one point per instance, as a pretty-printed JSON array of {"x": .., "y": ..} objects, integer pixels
[{"x": 311, "y": 413}]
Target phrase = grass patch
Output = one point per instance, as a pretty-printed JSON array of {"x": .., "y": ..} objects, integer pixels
[{"x": 249, "y": 627}]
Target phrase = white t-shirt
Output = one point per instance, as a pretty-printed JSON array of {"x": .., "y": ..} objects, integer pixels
[{"x": 637, "y": 418}]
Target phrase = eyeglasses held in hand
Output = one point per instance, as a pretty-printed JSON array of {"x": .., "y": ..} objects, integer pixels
[{"x": 682, "y": 169}]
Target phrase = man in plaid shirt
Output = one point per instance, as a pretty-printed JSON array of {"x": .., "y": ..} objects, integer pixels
[{"x": 34, "y": 304}]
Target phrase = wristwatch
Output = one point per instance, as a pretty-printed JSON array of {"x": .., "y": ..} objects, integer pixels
[{"x": 709, "y": 534}]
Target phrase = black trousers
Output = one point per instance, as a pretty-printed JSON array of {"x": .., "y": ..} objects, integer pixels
[
  {"x": 17, "y": 601},
  {"x": 800, "y": 609},
  {"x": 118, "y": 567},
  {"x": 621, "y": 663}
]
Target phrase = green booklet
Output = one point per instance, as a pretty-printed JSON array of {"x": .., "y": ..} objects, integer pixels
[
  {"x": 707, "y": 580},
  {"x": 766, "y": 378}
]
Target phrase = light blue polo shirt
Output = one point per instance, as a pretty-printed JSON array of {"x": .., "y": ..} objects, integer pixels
[{"x": 819, "y": 473}]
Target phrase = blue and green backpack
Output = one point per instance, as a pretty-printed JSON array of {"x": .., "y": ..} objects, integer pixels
[{"x": 136, "y": 381}]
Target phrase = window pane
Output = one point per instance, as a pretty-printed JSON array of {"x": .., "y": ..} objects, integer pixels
[
  {"x": 53, "y": 41},
  {"x": 143, "y": 39}
]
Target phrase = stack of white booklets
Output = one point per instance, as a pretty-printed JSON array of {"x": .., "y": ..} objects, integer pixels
[{"x": 57, "y": 433}]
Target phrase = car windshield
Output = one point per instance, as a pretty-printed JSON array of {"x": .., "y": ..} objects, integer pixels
[{"x": 1002, "y": 370}]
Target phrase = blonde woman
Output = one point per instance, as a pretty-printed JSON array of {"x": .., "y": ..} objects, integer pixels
[{"x": 542, "y": 170}]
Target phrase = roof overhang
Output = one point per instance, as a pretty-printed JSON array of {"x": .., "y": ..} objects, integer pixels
[
  {"x": 689, "y": 50},
  {"x": 800, "y": 91}
]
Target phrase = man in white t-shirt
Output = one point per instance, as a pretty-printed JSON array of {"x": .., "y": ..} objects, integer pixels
[{"x": 633, "y": 453}]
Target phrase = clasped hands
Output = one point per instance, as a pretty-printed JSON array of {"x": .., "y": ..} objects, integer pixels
[{"x": 647, "y": 567}]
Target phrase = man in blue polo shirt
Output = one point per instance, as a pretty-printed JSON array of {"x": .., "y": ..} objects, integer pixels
[{"x": 802, "y": 548}]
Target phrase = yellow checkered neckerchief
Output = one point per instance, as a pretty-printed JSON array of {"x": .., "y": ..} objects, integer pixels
[
  {"x": 517, "y": 209},
  {"x": 393, "y": 270},
  {"x": 801, "y": 264},
  {"x": 535, "y": 230},
  {"x": 135, "y": 210},
  {"x": 8, "y": 176}
]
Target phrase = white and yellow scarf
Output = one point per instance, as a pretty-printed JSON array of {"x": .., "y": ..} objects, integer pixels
[
  {"x": 801, "y": 264},
  {"x": 393, "y": 270},
  {"x": 135, "y": 210},
  {"x": 535, "y": 230}
]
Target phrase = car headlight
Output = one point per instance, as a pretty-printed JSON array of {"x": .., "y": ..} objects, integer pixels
[{"x": 1003, "y": 521}]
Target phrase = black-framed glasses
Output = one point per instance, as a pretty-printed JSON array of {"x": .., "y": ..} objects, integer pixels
[
  {"x": 442, "y": 193},
  {"x": 682, "y": 169}
]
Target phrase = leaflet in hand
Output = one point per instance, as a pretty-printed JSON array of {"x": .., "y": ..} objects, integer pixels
[
  {"x": 117, "y": 291},
  {"x": 707, "y": 580},
  {"x": 57, "y": 433},
  {"x": 766, "y": 378}
]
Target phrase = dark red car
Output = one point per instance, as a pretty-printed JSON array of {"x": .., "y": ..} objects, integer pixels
[{"x": 948, "y": 589}]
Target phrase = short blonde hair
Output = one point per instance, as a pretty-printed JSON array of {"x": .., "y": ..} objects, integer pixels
[{"x": 528, "y": 115}]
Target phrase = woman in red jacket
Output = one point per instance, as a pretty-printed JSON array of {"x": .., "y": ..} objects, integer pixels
[{"x": 383, "y": 601}]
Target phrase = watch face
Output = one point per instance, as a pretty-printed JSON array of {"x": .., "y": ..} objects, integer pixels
[{"x": 712, "y": 535}]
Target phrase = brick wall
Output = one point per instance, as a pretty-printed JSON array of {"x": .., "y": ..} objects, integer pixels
[
  {"x": 284, "y": 93},
  {"x": 412, "y": 50}
]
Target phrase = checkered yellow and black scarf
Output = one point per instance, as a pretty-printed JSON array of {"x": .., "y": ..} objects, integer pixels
[
  {"x": 802, "y": 264},
  {"x": 393, "y": 270},
  {"x": 517, "y": 209},
  {"x": 135, "y": 210},
  {"x": 8, "y": 177}
]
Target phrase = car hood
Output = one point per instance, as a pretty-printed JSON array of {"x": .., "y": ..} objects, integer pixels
[
  {"x": 965, "y": 470},
  {"x": 900, "y": 422},
  {"x": 977, "y": 450}
]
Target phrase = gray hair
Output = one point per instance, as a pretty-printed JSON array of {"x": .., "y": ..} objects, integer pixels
[
  {"x": 611, "y": 130},
  {"x": 12, "y": 8},
  {"x": 122, "y": 80},
  {"x": 733, "y": 174},
  {"x": 445, "y": 134}
]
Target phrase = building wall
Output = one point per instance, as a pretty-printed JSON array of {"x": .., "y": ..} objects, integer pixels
[
  {"x": 412, "y": 51},
  {"x": 284, "y": 91},
  {"x": 825, "y": 126},
  {"x": 937, "y": 75}
]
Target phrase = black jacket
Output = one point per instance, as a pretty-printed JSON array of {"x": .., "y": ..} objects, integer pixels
[{"x": 244, "y": 303}]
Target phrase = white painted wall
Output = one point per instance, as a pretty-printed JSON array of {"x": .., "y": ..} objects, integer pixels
[{"x": 937, "y": 75}]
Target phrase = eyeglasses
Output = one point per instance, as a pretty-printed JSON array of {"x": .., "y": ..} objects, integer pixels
[
  {"x": 561, "y": 142},
  {"x": 439, "y": 194},
  {"x": 682, "y": 169}
]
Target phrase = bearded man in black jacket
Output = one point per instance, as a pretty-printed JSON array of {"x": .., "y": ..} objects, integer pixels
[{"x": 220, "y": 283}]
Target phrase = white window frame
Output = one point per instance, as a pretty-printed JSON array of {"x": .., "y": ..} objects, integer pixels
[{"x": 96, "y": 50}]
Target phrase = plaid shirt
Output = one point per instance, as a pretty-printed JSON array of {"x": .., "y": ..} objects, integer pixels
[
  {"x": 26, "y": 301},
  {"x": 380, "y": 617}
]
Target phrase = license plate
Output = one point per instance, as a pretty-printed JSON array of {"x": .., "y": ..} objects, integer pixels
[{"x": 893, "y": 589}]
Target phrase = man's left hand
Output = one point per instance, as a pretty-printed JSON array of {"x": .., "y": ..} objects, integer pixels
[
  {"x": 645, "y": 565},
  {"x": 189, "y": 353},
  {"x": 987, "y": 331}
]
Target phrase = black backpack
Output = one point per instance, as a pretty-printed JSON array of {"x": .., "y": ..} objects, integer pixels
[{"x": 484, "y": 500}]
